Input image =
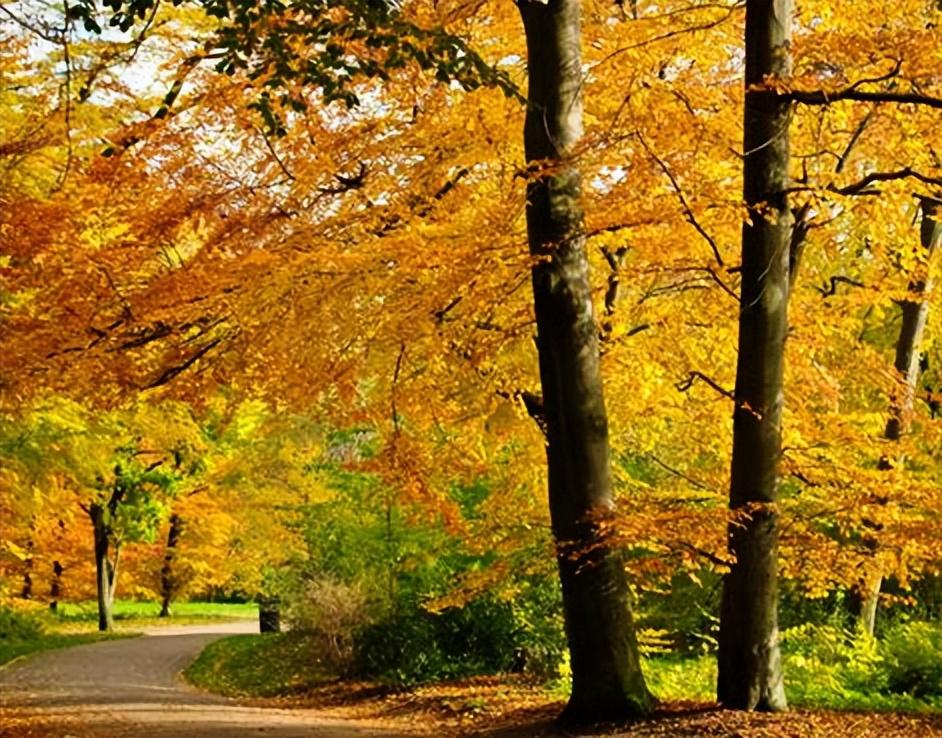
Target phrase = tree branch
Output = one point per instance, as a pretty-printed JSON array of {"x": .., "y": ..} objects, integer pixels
[
  {"x": 691, "y": 379},
  {"x": 826, "y": 97}
]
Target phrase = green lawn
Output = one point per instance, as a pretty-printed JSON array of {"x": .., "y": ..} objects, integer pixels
[
  {"x": 268, "y": 665},
  {"x": 76, "y": 623},
  {"x": 14, "y": 648},
  {"x": 141, "y": 613}
]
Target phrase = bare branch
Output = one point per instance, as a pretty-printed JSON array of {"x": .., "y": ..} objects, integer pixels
[
  {"x": 684, "y": 204},
  {"x": 691, "y": 379},
  {"x": 169, "y": 374},
  {"x": 678, "y": 473}
]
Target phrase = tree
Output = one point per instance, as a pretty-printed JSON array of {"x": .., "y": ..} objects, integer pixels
[
  {"x": 750, "y": 670},
  {"x": 607, "y": 682},
  {"x": 865, "y": 596},
  {"x": 122, "y": 466}
]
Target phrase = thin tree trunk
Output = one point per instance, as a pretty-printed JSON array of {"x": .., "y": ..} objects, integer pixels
[
  {"x": 167, "y": 580},
  {"x": 27, "y": 592},
  {"x": 750, "y": 672},
  {"x": 55, "y": 589},
  {"x": 113, "y": 572},
  {"x": 915, "y": 313},
  {"x": 606, "y": 674},
  {"x": 102, "y": 566}
]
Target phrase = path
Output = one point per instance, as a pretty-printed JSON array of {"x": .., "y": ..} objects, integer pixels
[{"x": 132, "y": 687}]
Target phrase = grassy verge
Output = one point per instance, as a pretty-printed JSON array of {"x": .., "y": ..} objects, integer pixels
[
  {"x": 269, "y": 665},
  {"x": 147, "y": 612},
  {"x": 13, "y": 648}
]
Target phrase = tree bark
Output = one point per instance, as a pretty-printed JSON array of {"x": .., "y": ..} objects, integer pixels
[
  {"x": 750, "y": 672},
  {"x": 55, "y": 589},
  {"x": 606, "y": 674},
  {"x": 167, "y": 581},
  {"x": 113, "y": 570},
  {"x": 26, "y": 592},
  {"x": 915, "y": 314},
  {"x": 100, "y": 527}
]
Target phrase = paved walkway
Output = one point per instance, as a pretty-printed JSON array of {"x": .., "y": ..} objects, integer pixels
[{"x": 132, "y": 687}]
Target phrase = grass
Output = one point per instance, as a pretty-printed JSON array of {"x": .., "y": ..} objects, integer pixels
[
  {"x": 147, "y": 612},
  {"x": 267, "y": 665},
  {"x": 34, "y": 629},
  {"x": 14, "y": 648}
]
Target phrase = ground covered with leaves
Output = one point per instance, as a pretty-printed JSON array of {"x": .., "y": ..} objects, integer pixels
[{"x": 509, "y": 707}]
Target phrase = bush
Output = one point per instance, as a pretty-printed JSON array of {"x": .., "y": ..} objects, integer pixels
[
  {"x": 912, "y": 659},
  {"x": 828, "y": 666},
  {"x": 330, "y": 612},
  {"x": 485, "y": 636}
]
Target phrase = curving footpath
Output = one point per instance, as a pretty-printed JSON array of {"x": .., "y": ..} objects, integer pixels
[{"x": 133, "y": 687}]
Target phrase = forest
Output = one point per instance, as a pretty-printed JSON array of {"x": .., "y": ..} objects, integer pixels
[{"x": 585, "y": 345}]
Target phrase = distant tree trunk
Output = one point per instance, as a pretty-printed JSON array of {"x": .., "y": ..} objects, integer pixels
[
  {"x": 113, "y": 571},
  {"x": 27, "y": 592},
  {"x": 55, "y": 589},
  {"x": 750, "y": 671},
  {"x": 915, "y": 313},
  {"x": 167, "y": 580},
  {"x": 606, "y": 674},
  {"x": 103, "y": 574}
]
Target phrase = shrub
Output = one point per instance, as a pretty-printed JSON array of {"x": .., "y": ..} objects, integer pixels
[
  {"x": 486, "y": 636},
  {"x": 830, "y": 666},
  {"x": 330, "y": 612},
  {"x": 912, "y": 659}
]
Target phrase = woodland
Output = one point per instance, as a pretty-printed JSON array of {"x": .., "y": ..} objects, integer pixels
[{"x": 590, "y": 341}]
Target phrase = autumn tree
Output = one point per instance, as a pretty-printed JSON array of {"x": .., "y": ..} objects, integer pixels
[
  {"x": 914, "y": 310},
  {"x": 750, "y": 672},
  {"x": 607, "y": 681}
]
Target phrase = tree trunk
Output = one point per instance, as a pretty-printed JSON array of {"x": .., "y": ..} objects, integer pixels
[
  {"x": 606, "y": 674},
  {"x": 915, "y": 313},
  {"x": 27, "y": 592},
  {"x": 55, "y": 589},
  {"x": 97, "y": 514},
  {"x": 167, "y": 581},
  {"x": 750, "y": 672},
  {"x": 113, "y": 572}
]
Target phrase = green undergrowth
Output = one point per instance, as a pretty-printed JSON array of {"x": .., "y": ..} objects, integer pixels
[
  {"x": 831, "y": 668},
  {"x": 267, "y": 665}
]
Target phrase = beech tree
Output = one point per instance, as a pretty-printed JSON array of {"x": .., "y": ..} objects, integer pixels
[
  {"x": 750, "y": 669},
  {"x": 914, "y": 313},
  {"x": 606, "y": 672}
]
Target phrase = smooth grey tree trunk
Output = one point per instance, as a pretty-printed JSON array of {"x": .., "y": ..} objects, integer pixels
[
  {"x": 113, "y": 571},
  {"x": 167, "y": 580},
  {"x": 98, "y": 513},
  {"x": 750, "y": 671},
  {"x": 607, "y": 682},
  {"x": 915, "y": 313}
]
